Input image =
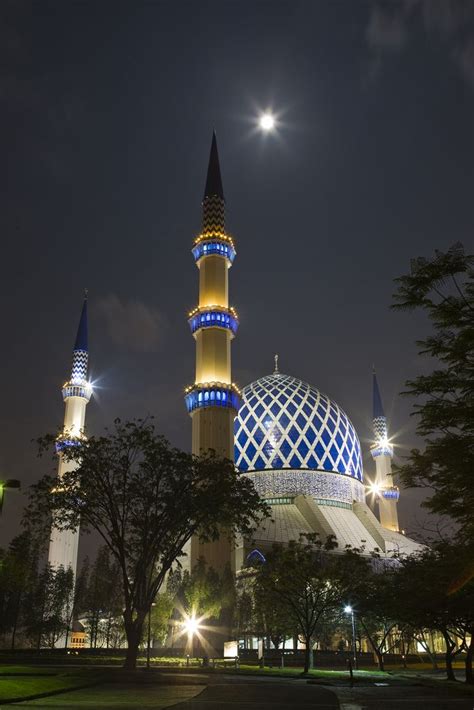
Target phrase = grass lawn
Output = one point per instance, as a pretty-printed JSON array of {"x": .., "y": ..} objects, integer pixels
[
  {"x": 115, "y": 695},
  {"x": 23, "y": 681},
  {"x": 315, "y": 673}
]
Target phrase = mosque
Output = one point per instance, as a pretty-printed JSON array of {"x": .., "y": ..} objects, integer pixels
[{"x": 297, "y": 445}]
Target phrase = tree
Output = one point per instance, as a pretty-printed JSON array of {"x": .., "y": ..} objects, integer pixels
[
  {"x": 443, "y": 288},
  {"x": 270, "y": 618},
  {"x": 209, "y": 597},
  {"x": 102, "y": 598},
  {"x": 48, "y": 606},
  {"x": 374, "y": 603},
  {"x": 18, "y": 570},
  {"x": 302, "y": 581},
  {"x": 244, "y": 607},
  {"x": 447, "y": 606},
  {"x": 161, "y": 612},
  {"x": 146, "y": 500}
]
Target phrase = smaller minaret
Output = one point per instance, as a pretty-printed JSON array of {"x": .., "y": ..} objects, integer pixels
[
  {"x": 382, "y": 453},
  {"x": 76, "y": 392}
]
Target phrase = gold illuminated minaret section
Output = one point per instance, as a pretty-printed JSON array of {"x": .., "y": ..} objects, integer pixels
[{"x": 213, "y": 400}]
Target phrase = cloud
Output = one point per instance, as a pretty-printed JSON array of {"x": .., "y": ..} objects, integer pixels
[
  {"x": 451, "y": 22},
  {"x": 131, "y": 324},
  {"x": 386, "y": 29},
  {"x": 465, "y": 60},
  {"x": 446, "y": 17}
]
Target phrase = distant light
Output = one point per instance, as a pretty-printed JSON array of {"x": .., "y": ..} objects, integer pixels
[
  {"x": 348, "y": 609},
  {"x": 267, "y": 122}
]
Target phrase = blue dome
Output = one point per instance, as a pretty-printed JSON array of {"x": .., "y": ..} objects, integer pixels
[{"x": 285, "y": 423}]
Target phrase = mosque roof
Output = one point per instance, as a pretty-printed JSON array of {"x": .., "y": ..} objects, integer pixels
[{"x": 285, "y": 423}]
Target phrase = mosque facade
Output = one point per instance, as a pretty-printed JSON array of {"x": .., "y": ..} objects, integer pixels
[{"x": 295, "y": 443}]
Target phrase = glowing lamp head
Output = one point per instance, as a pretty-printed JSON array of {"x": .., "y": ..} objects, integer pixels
[
  {"x": 347, "y": 609},
  {"x": 267, "y": 122},
  {"x": 191, "y": 625}
]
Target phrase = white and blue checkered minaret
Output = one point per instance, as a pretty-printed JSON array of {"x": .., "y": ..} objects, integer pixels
[
  {"x": 78, "y": 386},
  {"x": 382, "y": 453},
  {"x": 76, "y": 393},
  {"x": 381, "y": 447}
]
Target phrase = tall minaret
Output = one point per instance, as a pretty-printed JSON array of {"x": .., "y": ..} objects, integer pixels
[
  {"x": 382, "y": 453},
  {"x": 76, "y": 394},
  {"x": 213, "y": 400}
]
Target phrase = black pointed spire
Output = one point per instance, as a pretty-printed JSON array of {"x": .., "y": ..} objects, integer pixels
[
  {"x": 214, "y": 181},
  {"x": 213, "y": 204},
  {"x": 81, "y": 337}
]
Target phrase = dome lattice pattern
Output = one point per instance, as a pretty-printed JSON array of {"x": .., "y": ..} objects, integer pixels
[{"x": 285, "y": 423}]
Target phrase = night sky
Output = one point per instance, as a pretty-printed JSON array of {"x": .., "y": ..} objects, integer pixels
[{"x": 107, "y": 111}]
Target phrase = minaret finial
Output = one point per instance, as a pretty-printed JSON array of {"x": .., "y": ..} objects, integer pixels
[{"x": 276, "y": 370}]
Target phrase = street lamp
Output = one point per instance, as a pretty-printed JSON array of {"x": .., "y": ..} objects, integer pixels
[
  {"x": 12, "y": 483},
  {"x": 149, "y": 637},
  {"x": 349, "y": 610},
  {"x": 191, "y": 626}
]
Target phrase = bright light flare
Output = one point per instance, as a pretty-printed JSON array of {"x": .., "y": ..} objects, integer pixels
[
  {"x": 348, "y": 609},
  {"x": 375, "y": 489},
  {"x": 267, "y": 122},
  {"x": 191, "y": 625}
]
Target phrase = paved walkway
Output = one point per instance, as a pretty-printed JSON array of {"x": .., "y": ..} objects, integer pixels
[
  {"x": 262, "y": 696},
  {"x": 404, "y": 697}
]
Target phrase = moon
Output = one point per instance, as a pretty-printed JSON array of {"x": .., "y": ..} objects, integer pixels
[{"x": 267, "y": 122}]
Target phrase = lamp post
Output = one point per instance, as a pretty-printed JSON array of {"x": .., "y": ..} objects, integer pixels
[
  {"x": 349, "y": 610},
  {"x": 149, "y": 637},
  {"x": 11, "y": 483}
]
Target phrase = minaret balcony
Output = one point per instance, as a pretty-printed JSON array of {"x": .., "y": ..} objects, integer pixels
[
  {"x": 66, "y": 441},
  {"x": 391, "y": 493},
  {"x": 214, "y": 244},
  {"x": 77, "y": 389},
  {"x": 213, "y": 317},
  {"x": 212, "y": 394},
  {"x": 381, "y": 448}
]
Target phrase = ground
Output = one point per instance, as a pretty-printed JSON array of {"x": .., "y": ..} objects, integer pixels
[{"x": 87, "y": 688}]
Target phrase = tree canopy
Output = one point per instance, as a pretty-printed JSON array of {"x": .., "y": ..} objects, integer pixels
[
  {"x": 302, "y": 582},
  {"x": 443, "y": 288},
  {"x": 146, "y": 499}
]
